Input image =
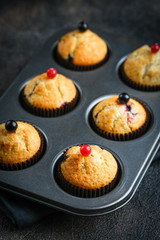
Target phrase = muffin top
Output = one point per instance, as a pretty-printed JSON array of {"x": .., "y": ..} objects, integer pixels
[
  {"x": 49, "y": 93},
  {"x": 18, "y": 144},
  {"x": 93, "y": 171},
  {"x": 113, "y": 116},
  {"x": 142, "y": 66},
  {"x": 82, "y": 48}
]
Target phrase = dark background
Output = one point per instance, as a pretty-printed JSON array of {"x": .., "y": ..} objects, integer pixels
[{"x": 24, "y": 27}]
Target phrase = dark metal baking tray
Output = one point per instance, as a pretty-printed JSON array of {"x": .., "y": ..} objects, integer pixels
[{"x": 38, "y": 181}]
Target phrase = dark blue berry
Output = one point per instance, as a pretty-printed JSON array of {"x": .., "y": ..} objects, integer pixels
[
  {"x": 11, "y": 125},
  {"x": 70, "y": 58},
  {"x": 96, "y": 115},
  {"x": 128, "y": 107},
  {"x": 82, "y": 26},
  {"x": 64, "y": 104},
  {"x": 124, "y": 98}
]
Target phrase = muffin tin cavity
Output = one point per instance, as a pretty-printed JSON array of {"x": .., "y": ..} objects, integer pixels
[
  {"x": 24, "y": 145},
  {"x": 131, "y": 83},
  {"x": 82, "y": 192},
  {"x": 69, "y": 65},
  {"x": 117, "y": 137},
  {"x": 66, "y": 107}
]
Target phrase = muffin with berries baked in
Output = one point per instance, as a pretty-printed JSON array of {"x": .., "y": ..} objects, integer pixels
[
  {"x": 21, "y": 145},
  {"x": 49, "y": 94},
  {"x": 141, "y": 68},
  {"x": 120, "y": 117},
  {"x": 87, "y": 171},
  {"x": 82, "y": 49}
]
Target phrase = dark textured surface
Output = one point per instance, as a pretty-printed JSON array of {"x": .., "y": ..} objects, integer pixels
[{"x": 24, "y": 27}]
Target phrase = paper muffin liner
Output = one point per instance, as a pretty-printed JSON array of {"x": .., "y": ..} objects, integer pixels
[
  {"x": 82, "y": 192},
  {"x": 27, "y": 163},
  {"x": 135, "y": 85},
  {"x": 123, "y": 137},
  {"x": 70, "y": 65},
  {"x": 67, "y": 107}
]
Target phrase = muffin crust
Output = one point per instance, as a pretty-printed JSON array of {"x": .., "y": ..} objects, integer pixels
[
  {"x": 143, "y": 67},
  {"x": 19, "y": 146},
  {"x": 45, "y": 93},
  {"x": 114, "y": 117},
  {"x": 82, "y": 48},
  {"x": 94, "y": 171}
]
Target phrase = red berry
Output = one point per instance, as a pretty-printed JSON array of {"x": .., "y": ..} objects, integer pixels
[
  {"x": 51, "y": 73},
  {"x": 155, "y": 48},
  {"x": 85, "y": 150}
]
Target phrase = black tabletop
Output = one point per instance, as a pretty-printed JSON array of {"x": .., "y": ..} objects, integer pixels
[{"x": 24, "y": 27}]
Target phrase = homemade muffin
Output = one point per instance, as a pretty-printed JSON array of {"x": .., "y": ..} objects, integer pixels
[
  {"x": 82, "y": 48},
  {"x": 20, "y": 145},
  {"x": 142, "y": 68},
  {"x": 120, "y": 117},
  {"x": 87, "y": 171},
  {"x": 49, "y": 96}
]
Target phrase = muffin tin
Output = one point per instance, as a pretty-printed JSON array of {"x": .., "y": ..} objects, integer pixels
[{"x": 38, "y": 182}]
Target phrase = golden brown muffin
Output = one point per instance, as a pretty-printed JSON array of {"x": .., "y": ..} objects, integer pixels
[
  {"x": 49, "y": 94},
  {"x": 19, "y": 142},
  {"x": 96, "y": 170},
  {"x": 142, "y": 67},
  {"x": 115, "y": 117},
  {"x": 82, "y": 48}
]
